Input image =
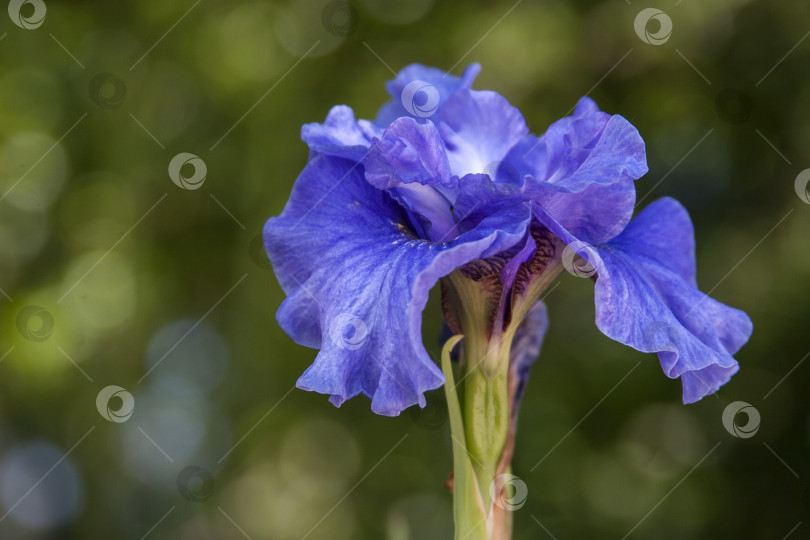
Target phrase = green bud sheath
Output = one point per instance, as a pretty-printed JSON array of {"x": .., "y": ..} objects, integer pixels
[{"x": 468, "y": 506}]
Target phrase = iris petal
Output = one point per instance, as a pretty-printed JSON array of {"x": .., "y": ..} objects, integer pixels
[
  {"x": 410, "y": 161},
  {"x": 647, "y": 298},
  {"x": 443, "y": 84},
  {"x": 408, "y": 151},
  {"x": 340, "y": 135},
  {"x": 479, "y": 128},
  {"x": 582, "y": 171}
]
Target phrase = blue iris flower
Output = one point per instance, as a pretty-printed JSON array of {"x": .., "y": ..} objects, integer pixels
[{"x": 448, "y": 179}]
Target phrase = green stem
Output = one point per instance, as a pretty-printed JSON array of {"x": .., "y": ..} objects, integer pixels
[{"x": 468, "y": 506}]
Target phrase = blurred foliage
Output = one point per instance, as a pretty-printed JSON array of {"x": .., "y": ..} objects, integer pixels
[{"x": 167, "y": 293}]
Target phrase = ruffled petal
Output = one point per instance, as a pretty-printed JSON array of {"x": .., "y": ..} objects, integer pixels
[
  {"x": 410, "y": 161},
  {"x": 651, "y": 235},
  {"x": 704, "y": 382},
  {"x": 422, "y": 101},
  {"x": 593, "y": 152},
  {"x": 357, "y": 280},
  {"x": 595, "y": 215},
  {"x": 582, "y": 171},
  {"x": 340, "y": 135},
  {"x": 408, "y": 151},
  {"x": 646, "y": 297},
  {"x": 479, "y": 129}
]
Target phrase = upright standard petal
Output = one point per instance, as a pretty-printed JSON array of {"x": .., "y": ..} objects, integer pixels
[
  {"x": 479, "y": 128},
  {"x": 647, "y": 298},
  {"x": 357, "y": 280},
  {"x": 410, "y": 97},
  {"x": 343, "y": 135}
]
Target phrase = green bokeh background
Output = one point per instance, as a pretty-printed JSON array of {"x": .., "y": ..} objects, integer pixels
[{"x": 99, "y": 208}]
